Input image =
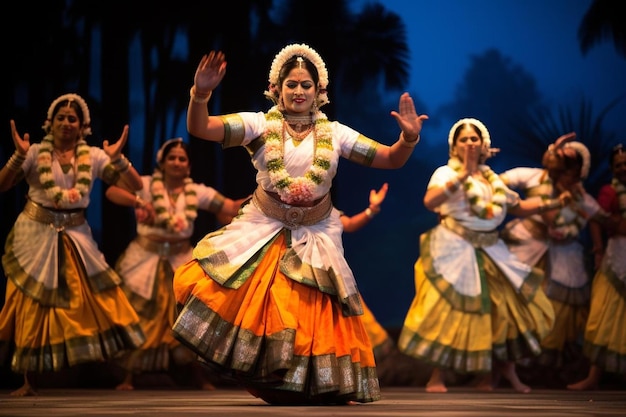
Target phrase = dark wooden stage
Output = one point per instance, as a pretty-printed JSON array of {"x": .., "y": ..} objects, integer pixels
[{"x": 396, "y": 401}]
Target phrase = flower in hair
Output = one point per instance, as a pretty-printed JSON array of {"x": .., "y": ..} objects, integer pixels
[
  {"x": 311, "y": 55},
  {"x": 86, "y": 125}
]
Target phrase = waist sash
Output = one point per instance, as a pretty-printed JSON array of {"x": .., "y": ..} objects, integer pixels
[
  {"x": 57, "y": 219},
  {"x": 292, "y": 216}
]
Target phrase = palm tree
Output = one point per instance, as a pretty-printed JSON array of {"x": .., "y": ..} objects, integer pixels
[{"x": 605, "y": 20}]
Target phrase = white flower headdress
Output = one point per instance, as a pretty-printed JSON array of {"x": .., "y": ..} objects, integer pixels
[
  {"x": 159, "y": 155},
  {"x": 310, "y": 54},
  {"x": 475, "y": 122},
  {"x": 584, "y": 154},
  {"x": 86, "y": 125},
  {"x": 487, "y": 151}
]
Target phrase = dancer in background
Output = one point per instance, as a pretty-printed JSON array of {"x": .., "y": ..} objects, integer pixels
[
  {"x": 270, "y": 298},
  {"x": 382, "y": 343},
  {"x": 474, "y": 301},
  {"x": 605, "y": 335},
  {"x": 551, "y": 241},
  {"x": 64, "y": 305},
  {"x": 166, "y": 208}
]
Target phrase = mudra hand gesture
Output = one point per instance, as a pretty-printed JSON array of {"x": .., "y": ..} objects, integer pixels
[
  {"x": 377, "y": 197},
  {"x": 210, "y": 72},
  {"x": 115, "y": 150},
  {"x": 21, "y": 145},
  {"x": 409, "y": 121}
]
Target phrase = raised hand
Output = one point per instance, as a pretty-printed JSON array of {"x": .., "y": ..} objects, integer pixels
[
  {"x": 409, "y": 121},
  {"x": 21, "y": 144},
  {"x": 115, "y": 150},
  {"x": 210, "y": 72},
  {"x": 377, "y": 197}
]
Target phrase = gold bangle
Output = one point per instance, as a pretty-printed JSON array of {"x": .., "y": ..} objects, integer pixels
[
  {"x": 199, "y": 98},
  {"x": 407, "y": 143},
  {"x": 139, "y": 202},
  {"x": 369, "y": 213}
]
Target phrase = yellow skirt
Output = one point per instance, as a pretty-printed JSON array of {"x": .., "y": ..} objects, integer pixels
[
  {"x": 438, "y": 333},
  {"x": 519, "y": 323},
  {"x": 381, "y": 342},
  {"x": 605, "y": 333},
  {"x": 96, "y": 326},
  {"x": 286, "y": 342},
  {"x": 507, "y": 328},
  {"x": 156, "y": 317}
]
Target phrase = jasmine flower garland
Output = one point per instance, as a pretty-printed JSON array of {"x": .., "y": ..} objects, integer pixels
[
  {"x": 59, "y": 196},
  {"x": 482, "y": 207},
  {"x": 298, "y": 189},
  {"x": 164, "y": 218}
]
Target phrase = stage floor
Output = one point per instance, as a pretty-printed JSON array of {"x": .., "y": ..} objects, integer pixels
[{"x": 234, "y": 402}]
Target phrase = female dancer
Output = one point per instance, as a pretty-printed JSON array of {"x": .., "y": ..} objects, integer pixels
[
  {"x": 270, "y": 298},
  {"x": 64, "y": 305}
]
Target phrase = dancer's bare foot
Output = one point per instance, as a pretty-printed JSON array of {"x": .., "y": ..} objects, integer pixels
[
  {"x": 589, "y": 383},
  {"x": 584, "y": 385},
  {"x": 508, "y": 371},
  {"x": 207, "y": 386},
  {"x": 25, "y": 390},
  {"x": 485, "y": 383},
  {"x": 436, "y": 382},
  {"x": 126, "y": 384}
]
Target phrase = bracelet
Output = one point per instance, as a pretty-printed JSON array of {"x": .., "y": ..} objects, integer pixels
[
  {"x": 139, "y": 202},
  {"x": 15, "y": 162},
  {"x": 549, "y": 205},
  {"x": 199, "y": 98},
  {"x": 121, "y": 164},
  {"x": 451, "y": 186},
  {"x": 370, "y": 213},
  {"x": 407, "y": 143}
]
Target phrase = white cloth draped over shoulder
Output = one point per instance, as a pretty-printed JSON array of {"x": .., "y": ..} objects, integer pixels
[
  {"x": 39, "y": 261},
  {"x": 454, "y": 258},
  {"x": 137, "y": 264},
  {"x": 226, "y": 253},
  {"x": 568, "y": 255}
]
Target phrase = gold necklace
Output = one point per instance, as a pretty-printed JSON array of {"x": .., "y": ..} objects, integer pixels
[
  {"x": 297, "y": 136},
  {"x": 299, "y": 121}
]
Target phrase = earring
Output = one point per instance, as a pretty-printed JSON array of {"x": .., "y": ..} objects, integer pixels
[
  {"x": 281, "y": 105},
  {"x": 314, "y": 106}
]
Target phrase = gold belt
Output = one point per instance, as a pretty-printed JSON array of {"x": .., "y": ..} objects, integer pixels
[
  {"x": 58, "y": 219},
  {"x": 477, "y": 239},
  {"x": 163, "y": 248},
  {"x": 292, "y": 216}
]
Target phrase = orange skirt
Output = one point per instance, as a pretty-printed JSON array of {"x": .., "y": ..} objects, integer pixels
[{"x": 286, "y": 342}]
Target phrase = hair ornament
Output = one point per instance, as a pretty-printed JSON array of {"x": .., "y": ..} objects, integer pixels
[
  {"x": 86, "y": 126},
  {"x": 483, "y": 130},
  {"x": 581, "y": 150},
  {"x": 304, "y": 51},
  {"x": 159, "y": 155}
]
